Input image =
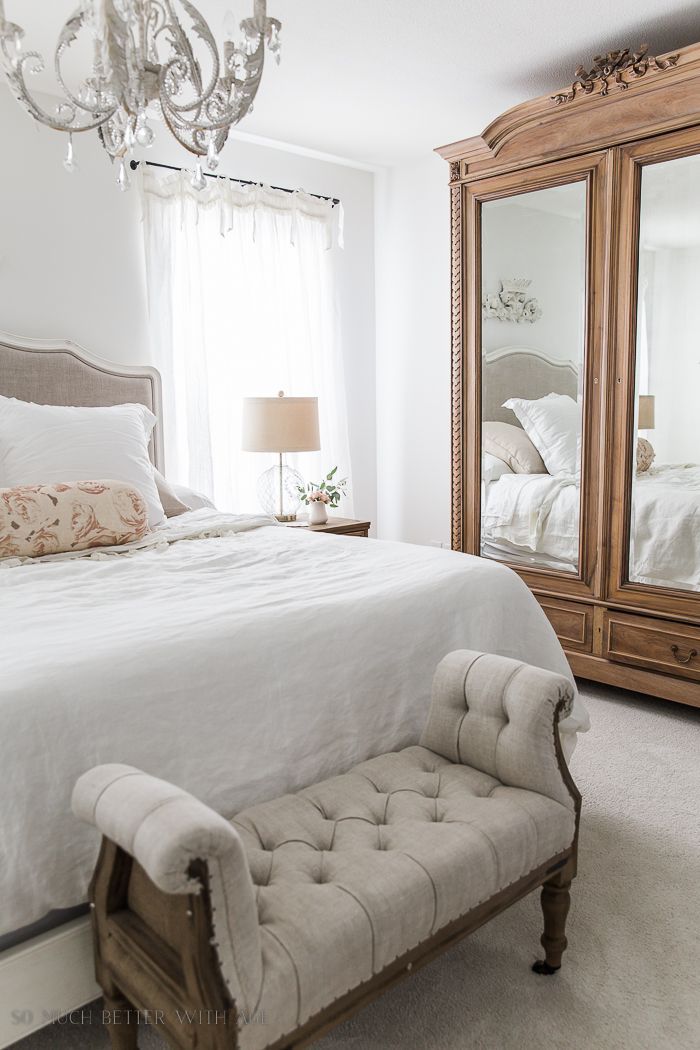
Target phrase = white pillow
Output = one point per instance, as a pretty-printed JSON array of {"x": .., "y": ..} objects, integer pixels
[
  {"x": 513, "y": 446},
  {"x": 43, "y": 444},
  {"x": 494, "y": 468},
  {"x": 191, "y": 498},
  {"x": 553, "y": 425}
]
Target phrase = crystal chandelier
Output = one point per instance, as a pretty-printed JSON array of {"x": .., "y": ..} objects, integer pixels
[{"x": 146, "y": 67}]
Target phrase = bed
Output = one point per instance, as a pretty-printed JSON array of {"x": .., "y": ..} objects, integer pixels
[
  {"x": 533, "y": 519},
  {"x": 196, "y": 654},
  {"x": 529, "y": 519}
]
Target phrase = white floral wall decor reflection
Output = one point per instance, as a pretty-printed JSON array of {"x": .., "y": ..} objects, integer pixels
[{"x": 512, "y": 303}]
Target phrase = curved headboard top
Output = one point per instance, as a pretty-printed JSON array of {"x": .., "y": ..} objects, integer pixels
[
  {"x": 59, "y": 372},
  {"x": 518, "y": 371}
]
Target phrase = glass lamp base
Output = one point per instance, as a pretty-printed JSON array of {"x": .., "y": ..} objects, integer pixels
[{"x": 278, "y": 493}]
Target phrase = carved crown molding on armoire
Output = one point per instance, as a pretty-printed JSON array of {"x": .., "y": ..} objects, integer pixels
[{"x": 624, "y": 114}]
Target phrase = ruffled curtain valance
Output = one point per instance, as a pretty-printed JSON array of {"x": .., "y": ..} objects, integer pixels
[{"x": 230, "y": 198}]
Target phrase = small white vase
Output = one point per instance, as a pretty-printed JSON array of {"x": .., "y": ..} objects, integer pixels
[{"x": 318, "y": 514}]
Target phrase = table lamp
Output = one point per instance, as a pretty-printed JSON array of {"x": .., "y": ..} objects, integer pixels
[
  {"x": 280, "y": 424},
  {"x": 645, "y": 417},
  {"x": 645, "y": 454}
]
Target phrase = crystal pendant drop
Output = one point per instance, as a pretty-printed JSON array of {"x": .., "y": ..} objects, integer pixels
[
  {"x": 69, "y": 162},
  {"x": 123, "y": 180},
  {"x": 144, "y": 135},
  {"x": 275, "y": 43},
  {"x": 198, "y": 179},
  {"x": 212, "y": 155}
]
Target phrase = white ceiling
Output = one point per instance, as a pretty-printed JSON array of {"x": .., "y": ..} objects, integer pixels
[{"x": 385, "y": 81}]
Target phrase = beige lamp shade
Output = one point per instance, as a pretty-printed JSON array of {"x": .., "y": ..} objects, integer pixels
[
  {"x": 645, "y": 418},
  {"x": 280, "y": 424}
]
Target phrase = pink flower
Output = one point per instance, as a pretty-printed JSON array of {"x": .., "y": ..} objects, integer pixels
[{"x": 319, "y": 497}]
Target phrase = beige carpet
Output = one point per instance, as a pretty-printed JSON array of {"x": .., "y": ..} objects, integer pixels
[{"x": 631, "y": 976}]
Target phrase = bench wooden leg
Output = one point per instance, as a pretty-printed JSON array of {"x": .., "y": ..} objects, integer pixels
[
  {"x": 122, "y": 1023},
  {"x": 555, "y": 901}
]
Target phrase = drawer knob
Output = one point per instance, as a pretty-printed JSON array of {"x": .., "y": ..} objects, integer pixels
[{"x": 683, "y": 659}]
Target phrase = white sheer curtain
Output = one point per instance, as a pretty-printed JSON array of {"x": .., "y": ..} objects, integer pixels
[{"x": 242, "y": 302}]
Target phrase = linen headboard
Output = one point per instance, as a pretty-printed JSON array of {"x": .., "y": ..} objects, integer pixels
[
  {"x": 516, "y": 371},
  {"x": 57, "y": 372}
]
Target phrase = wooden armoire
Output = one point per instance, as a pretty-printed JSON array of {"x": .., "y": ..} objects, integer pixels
[{"x": 576, "y": 254}]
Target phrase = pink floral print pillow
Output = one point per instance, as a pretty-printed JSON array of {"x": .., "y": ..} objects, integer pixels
[{"x": 36, "y": 520}]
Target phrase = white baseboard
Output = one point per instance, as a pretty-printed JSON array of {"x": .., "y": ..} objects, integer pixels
[{"x": 44, "y": 978}]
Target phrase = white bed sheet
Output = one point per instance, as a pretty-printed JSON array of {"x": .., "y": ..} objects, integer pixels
[
  {"x": 666, "y": 527},
  {"x": 239, "y": 667},
  {"x": 537, "y": 514},
  {"x": 534, "y": 514}
]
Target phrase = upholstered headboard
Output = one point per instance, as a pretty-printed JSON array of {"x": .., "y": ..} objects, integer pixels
[
  {"x": 515, "y": 371},
  {"x": 56, "y": 372}
]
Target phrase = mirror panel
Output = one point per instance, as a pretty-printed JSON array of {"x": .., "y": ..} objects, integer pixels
[
  {"x": 533, "y": 334},
  {"x": 665, "y": 500}
]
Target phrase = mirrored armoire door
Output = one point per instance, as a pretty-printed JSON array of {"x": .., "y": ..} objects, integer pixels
[
  {"x": 533, "y": 359},
  {"x": 656, "y": 478}
]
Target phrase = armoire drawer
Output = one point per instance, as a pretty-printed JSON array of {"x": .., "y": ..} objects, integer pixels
[
  {"x": 658, "y": 645},
  {"x": 573, "y": 622}
]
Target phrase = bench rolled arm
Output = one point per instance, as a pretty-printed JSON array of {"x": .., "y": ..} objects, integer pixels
[
  {"x": 164, "y": 829},
  {"x": 500, "y": 716}
]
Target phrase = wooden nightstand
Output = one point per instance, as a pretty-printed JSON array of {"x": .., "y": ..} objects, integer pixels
[{"x": 340, "y": 526}]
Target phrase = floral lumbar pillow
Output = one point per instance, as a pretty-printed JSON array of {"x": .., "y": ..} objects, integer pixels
[{"x": 36, "y": 520}]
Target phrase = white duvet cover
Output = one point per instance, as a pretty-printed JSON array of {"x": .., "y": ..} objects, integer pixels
[
  {"x": 238, "y": 666},
  {"x": 528, "y": 514},
  {"x": 666, "y": 527},
  {"x": 533, "y": 514}
]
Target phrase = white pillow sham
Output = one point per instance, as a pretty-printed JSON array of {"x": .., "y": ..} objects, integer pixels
[
  {"x": 191, "y": 498},
  {"x": 178, "y": 499},
  {"x": 43, "y": 444},
  {"x": 494, "y": 468},
  {"x": 553, "y": 424}
]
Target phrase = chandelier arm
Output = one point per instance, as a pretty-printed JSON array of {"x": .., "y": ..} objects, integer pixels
[
  {"x": 68, "y": 36},
  {"x": 205, "y": 34},
  {"x": 57, "y": 123},
  {"x": 247, "y": 89},
  {"x": 155, "y": 17},
  {"x": 187, "y": 62},
  {"x": 177, "y": 134}
]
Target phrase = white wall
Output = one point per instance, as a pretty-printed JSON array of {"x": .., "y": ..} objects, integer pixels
[
  {"x": 673, "y": 353},
  {"x": 71, "y": 255},
  {"x": 413, "y": 352},
  {"x": 550, "y": 250}
]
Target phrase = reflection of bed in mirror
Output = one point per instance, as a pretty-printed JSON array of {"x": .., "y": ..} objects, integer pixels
[
  {"x": 533, "y": 519},
  {"x": 527, "y": 519},
  {"x": 665, "y": 526}
]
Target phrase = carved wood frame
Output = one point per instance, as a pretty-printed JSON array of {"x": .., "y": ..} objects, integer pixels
[{"x": 468, "y": 198}]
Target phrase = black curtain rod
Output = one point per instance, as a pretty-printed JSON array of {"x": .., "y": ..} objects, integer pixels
[{"x": 243, "y": 182}]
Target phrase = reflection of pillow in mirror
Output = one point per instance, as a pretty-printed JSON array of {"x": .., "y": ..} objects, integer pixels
[
  {"x": 512, "y": 445},
  {"x": 645, "y": 455},
  {"x": 494, "y": 468},
  {"x": 552, "y": 423}
]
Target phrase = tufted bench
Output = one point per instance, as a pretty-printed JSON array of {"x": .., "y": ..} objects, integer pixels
[{"x": 265, "y": 930}]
